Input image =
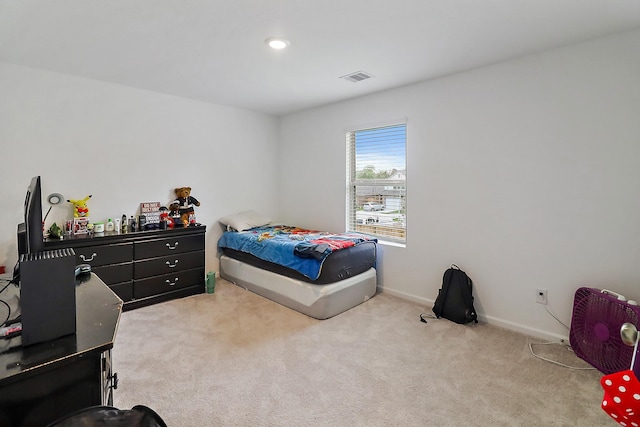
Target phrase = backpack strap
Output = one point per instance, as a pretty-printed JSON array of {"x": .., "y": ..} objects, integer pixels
[
  {"x": 468, "y": 299},
  {"x": 444, "y": 291},
  {"x": 423, "y": 317}
]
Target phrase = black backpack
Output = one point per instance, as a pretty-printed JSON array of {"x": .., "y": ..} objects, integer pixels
[
  {"x": 455, "y": 298},
  {"x": 108, "y": 416}
]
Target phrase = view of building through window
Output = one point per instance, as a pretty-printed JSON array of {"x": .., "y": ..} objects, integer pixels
[{"x": 376, "y": 176}]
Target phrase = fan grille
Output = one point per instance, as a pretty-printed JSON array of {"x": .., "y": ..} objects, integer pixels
[{"x": 595, "y": 330}]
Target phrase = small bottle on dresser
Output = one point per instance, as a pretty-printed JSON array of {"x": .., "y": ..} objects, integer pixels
[
  {"x": 110, "y": 226},
  {"x": 124, "y": 225},
  {"x": 132, "y": 224}
]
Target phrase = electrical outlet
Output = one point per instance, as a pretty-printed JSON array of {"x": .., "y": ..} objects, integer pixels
[{"x": 541, "y": 296}]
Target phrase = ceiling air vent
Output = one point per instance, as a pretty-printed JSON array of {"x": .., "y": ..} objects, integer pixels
[{"x": 356, "y": 77}]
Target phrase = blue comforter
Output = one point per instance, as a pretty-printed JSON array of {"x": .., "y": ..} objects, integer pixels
[{"x": 299, "y": 249}]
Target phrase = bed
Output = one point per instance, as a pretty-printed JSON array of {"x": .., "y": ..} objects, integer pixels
[{"x": 316, "y": 273}]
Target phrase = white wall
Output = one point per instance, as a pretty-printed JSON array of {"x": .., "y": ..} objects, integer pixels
[
  {"x": 126, "y": 146},
  {"x": 524, "y": 173}
]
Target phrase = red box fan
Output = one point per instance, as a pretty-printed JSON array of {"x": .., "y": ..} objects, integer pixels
[{"x": 595, "y": 329}]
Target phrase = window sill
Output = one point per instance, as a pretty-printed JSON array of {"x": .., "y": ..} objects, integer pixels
[{"x": 389, "y": 243}]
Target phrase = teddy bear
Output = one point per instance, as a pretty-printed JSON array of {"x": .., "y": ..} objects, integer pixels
[{"x": 184, "y": 204}]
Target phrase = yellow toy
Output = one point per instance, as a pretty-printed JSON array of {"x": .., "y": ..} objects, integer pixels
[{"x": 80, "y": 209}]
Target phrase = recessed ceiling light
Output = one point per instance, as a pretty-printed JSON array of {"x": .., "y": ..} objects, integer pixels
[{"x": 277, "y": 43}]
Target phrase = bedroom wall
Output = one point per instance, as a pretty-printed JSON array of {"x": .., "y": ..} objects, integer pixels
[
  {"x": 126, "y": 146},
  {"x": 524, "y": 173}
]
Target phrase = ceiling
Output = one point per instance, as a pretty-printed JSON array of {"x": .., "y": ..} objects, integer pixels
[{"x": 214, "y": 50}]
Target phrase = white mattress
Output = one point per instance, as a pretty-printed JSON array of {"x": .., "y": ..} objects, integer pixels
[{"x": 318, "y": 301}]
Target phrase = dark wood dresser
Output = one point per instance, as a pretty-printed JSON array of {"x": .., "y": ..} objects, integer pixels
[
  {"x": 43, "y": 382},
  {"x": 144, "y": 267}
]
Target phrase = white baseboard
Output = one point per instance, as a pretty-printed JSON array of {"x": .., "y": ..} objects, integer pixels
[
  {"x": 409, "y": 297},
  {"x": 516, "y": 327},
  {"x": 526, "y": 330}
]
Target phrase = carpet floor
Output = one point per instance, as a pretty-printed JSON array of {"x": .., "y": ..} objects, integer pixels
[{"x": 234, "y": 358}]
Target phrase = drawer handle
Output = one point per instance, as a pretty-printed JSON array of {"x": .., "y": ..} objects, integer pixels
[
  {"x": 175, "y": 245},
  {"x": 168, "y": 282},
  {"x": 93, "y": 255},
  {"x": 172, "y": 265}
]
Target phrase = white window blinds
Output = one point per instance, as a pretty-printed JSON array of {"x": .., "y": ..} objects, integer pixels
[{"x": 376, "y": 178}]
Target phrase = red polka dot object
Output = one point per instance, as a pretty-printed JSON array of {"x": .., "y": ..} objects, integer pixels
[{"x": 622, "y": 398}]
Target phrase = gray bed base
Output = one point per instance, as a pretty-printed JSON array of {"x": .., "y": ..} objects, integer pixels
[{"x": 317, "y": 301}]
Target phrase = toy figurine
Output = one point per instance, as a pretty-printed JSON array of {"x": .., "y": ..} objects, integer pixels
[
  {"x": 55, "y": 232},
  {"x": 80, "y": 209},
  {"x": 165, "y": 221},
  {"x": 173, "y": 217}
]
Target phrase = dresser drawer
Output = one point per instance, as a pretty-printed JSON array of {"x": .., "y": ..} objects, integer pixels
[
  {"x": 115, "y": 273},
  {"x": 123, "y": 290},
  {"x": 168, "y": 264},
  {"x": 105, "y": 254},
  {"x": 168, "y": 282},
  {"x": 169, "y": 246}
]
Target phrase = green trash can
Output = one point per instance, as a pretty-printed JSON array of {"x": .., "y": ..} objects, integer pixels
[{"x": 211, "y": 282}]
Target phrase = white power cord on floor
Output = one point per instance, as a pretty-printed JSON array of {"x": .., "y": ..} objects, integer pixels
[{"x": 531, "y": 344}]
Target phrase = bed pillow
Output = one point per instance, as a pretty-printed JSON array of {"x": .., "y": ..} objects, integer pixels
[{"x": 244, "y": 220}]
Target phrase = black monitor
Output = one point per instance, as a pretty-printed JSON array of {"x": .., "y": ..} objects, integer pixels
[{"x": 30, "y": 233}]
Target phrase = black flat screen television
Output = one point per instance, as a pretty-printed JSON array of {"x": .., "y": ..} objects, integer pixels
[{"x": 30, "y": 233}]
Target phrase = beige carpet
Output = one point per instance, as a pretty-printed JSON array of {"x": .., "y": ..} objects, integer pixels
[{"x": 234, "y": 358}]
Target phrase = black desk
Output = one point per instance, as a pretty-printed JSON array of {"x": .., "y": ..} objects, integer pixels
[{"x": 43, "y": 382}]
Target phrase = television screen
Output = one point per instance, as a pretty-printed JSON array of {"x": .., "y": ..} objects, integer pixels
[{"x": 30, "y": 234}]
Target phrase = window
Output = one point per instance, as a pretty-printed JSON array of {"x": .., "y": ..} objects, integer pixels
[{"x": 376, "y": 182}]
